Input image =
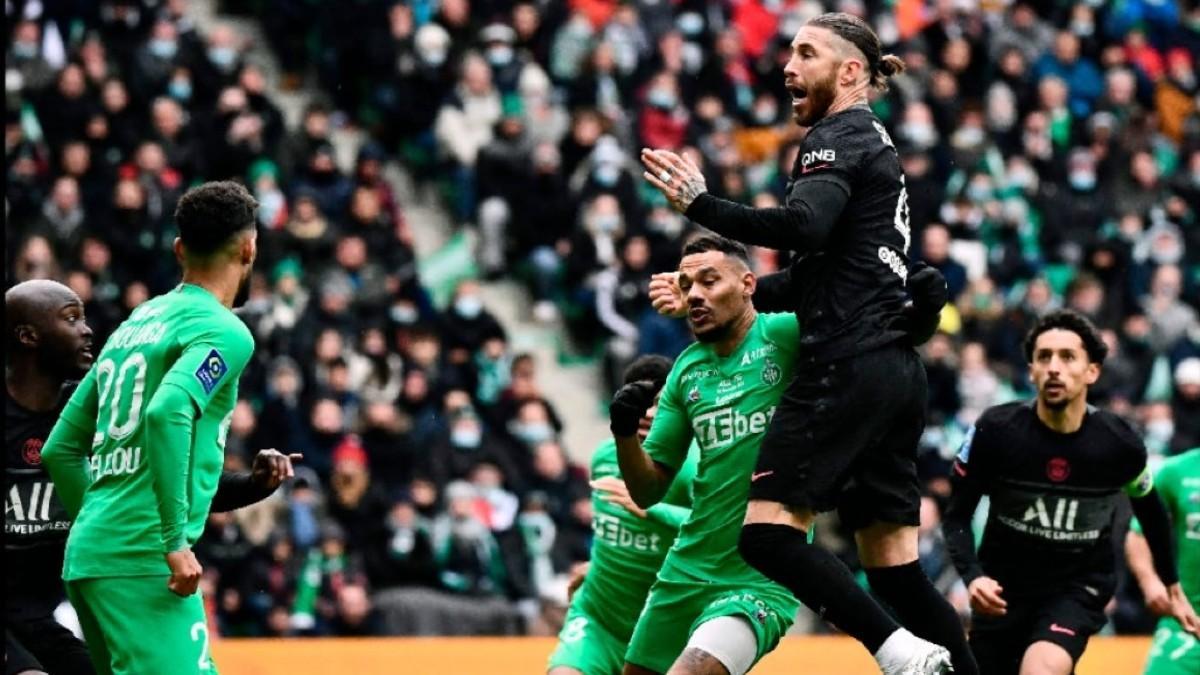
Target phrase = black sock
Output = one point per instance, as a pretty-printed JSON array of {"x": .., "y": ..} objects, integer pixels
[
  {"x": 818, "y": 579},
  {"x": 924, "y": 611}
]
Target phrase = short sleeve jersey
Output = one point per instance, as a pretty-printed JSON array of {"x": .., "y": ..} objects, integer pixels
[
  {"x": 185, "y": 338},
  {"x": 627, "y": 551},
  {"x": 725, "y": 404},
  {"x": 1053, "y": 496},
  {"x": 849, "y": 295}
]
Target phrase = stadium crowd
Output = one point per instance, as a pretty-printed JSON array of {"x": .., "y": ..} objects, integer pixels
[{"x": 1052, "y": 155}]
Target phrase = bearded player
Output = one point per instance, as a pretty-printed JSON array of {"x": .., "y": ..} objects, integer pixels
[
  {"x": 49, "y": 350},
  {"x": 845, "y": 217},
  {"x": 628, "y": 549},
  {"x": 138, "y": 450},
  {"x": 710, "y": 612},
  {"x": 1054, "y": 469}
]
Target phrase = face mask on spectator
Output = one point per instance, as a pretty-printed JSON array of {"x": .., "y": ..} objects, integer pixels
[
  {"x": 163, "y": 49},
  {"x": 968, "y": 137},
  {"x": 607, "y": 174},
  {"x": 922, "y": 135},
  {"x": 977, "y": 192},
  {"x": 533, "y": 433},
  {"x": 668, "y": 225},
  {"x": 468, "y": 306},
  {"x": 433, "y": 57},
  {"x": 25, "y": 50},
  {"x": 1022, "y": 178},
  {"x": 403, "y": 314},
  {"x": 1160, "y": 431},
  {"x": 466, "y": 437},
  {"x": 269, "y": 206},
  {"x": 500, "y": 55},
  {"x": 1083, "y": 28},
  {"x": 661, "y": 98},
  {"x": 606, "y": 223},
  {"x": 222, "y": 57},
  {"x": 1083, "y": 180},
  {"x": 765, "y": 114},
  {"x": 180, "y": 90}
]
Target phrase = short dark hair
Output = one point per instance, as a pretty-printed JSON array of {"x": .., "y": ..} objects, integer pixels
[
  {"x": 210, "y": 215},
  {"x": 1069, "y": 320},
  {"x": 707, "y": 241},
  {"x": 857, "y": 32},
  {"x": 652, "y": 367}
]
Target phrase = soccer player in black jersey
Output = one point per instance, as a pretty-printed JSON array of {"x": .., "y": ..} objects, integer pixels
[
  {"x": 845, "y": 433},
  {"x": 49, "y": 349},
  {"x": 1054, "y": 469}
]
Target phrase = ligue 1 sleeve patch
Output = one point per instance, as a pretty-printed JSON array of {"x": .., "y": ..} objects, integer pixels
[{"x": 211, "y": 370}]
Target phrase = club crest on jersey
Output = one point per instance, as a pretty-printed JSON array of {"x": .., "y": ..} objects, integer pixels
[
  {"x": 31, "y": 452},
  {"x": 1057, "y": 469},
  {"x": 211, "y": 371},
  {"x": 771, "y": 373},
  {"x": 693, "y": 395}
]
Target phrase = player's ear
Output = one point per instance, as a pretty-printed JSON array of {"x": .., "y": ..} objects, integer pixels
[
  {"x": 27, "y": 335},
  {"x": 249, "y": 248},
  {"x": 749, "y": 283},
  {"x": 178, "y": 248},
  {"x": 1091, "y": 374}
]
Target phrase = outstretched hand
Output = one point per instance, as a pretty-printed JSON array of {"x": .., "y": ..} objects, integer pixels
[
  {"x": 616, "y": 492},
  {"x": 678, "y": 178}
]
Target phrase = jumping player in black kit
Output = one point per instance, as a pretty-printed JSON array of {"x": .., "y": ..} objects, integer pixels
[
  {"x": 846, "y": 431},
  {"x": 49, "y": 349},
  {"x": 1054, "y": 469}
]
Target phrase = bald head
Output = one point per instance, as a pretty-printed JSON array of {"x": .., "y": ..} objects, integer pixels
[{"x": 46, "y": 318}]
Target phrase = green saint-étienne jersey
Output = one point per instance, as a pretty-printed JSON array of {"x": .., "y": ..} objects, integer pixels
[
  {"x": 725, "y": 404},
  {"x": 627, "y": 551},
  {"x": 185, "y": 338},
  {"x": 1178, "y": 483}
]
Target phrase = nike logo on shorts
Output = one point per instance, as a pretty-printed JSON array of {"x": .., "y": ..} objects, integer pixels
[
  {"x": 1055, "y": 628},
  {"x": 760, "y": 474}
]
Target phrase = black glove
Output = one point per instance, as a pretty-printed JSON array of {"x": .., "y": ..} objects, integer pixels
[
  {"x": 927, "y": 287},
  {"x": 929, "y": 294},
  {"x": 629, "y": 406}
]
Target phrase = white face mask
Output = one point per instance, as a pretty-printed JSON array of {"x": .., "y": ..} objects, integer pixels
[
  {"x": 468, "y": 306},
  {"x": 1161, "y": 431}
]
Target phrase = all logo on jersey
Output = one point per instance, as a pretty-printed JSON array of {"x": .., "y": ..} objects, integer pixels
[
  {"x": 825, "y": 155},
  {"x": 31, "y": 452},
  {"x": 1058, "y": 469},
  {"x": 771, "y": 372},
  {"x": 211, "y": 371},
  {"x": 693, "y": 395}
]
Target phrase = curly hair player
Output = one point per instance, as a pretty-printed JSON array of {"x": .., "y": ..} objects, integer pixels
[
  {"x": 1054, "y": 469},
  {"x": 845, "y": 217},
  {"x": 137, "y": 453}
]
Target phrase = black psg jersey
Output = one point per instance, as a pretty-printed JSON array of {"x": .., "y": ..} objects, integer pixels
[
  {"x": 1053, "y": 497},
  {"x": 849, "y": 295},
  {"x": 35, "y": 521}
]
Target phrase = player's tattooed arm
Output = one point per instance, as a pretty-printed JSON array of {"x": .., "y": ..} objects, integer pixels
[{"x": 678, "y": 178}]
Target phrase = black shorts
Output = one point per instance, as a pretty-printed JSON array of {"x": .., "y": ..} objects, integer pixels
[
  {"x": 845, "y": 437},
  {"x": 33, "y": 640},
  {"x": 1068, "y": 618}
]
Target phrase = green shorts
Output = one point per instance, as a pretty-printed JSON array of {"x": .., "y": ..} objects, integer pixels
[
  {"x": 587, "y": 646},
  {"x": 1174, "y": 651},
  {"x": 675, "y": 609},
  {"x": 135, "y": 625}
]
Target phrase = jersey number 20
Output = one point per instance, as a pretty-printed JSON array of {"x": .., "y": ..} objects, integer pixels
[{"x": 106, "y": 372}]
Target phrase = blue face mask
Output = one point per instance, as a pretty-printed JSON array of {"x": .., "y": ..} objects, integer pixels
[
  {"x": 661, "y": 98},
  {"x": 163, "y": 49},
  {"x": 25, "y": 50},
  {"x": 607, "y": 175},
  {"x": 404, "y": 315},
  {"x": 222, "y": 57},
  {"x": 1082, "y": 181},
  {"x": 534, "y": 433},
  {"x": 466, "y": 437},
  {"x": 468, "y": 306},
  {"x": 500, "y": 56},
  {"x": 180, "y": 90}
]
